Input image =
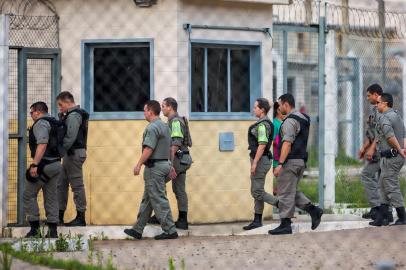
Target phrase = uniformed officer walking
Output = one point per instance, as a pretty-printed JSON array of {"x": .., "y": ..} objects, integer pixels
[
  {"x": 260, "y": 136},
  {"x": 75, "y": 144},
  {"x": 180, "y": 156},
  {"x": 292, "y": 162},
  {"x": 155, "y": 156},
  {"x": 390, "y": 144},
  {"x": 43, "y": 172},
  {"x": 369, "y": 175}
]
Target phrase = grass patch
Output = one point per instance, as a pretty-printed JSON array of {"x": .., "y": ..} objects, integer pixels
[
  {"x": 341, "y": 160},
  {"x": 46, "y": 259},
  {"x": 348, "y": 190}
]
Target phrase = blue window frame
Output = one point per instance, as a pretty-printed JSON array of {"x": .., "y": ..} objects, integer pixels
[
  {"x": 225, "y": 79},
  {"x": 117, "y": 77}
]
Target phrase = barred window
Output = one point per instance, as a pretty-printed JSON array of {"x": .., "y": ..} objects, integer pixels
[
  {"x": 117, "y": 78},
  {"x": 224, "y": 79}
]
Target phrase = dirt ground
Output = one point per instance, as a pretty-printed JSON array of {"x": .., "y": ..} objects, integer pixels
[{"x": 346, "y": 249}]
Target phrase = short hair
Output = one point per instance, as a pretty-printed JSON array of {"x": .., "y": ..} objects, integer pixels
[
  {"x": 386, "y": 97},
  {"x": 65, "y": 96},
  {"x": 154, "y": 106},
  {"x": 39, "y": 106},
  {"x": 263, "y": 103},
  {"x": 171, "y": 102},
  {"x": 375, "y": 89},
  {"x": 288, "y": 98},
  {"x": 275, "y": 109}
]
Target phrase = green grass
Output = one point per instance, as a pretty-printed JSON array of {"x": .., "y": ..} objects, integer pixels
[
  {"x": 348, "y": 190},
  {"x": 48, "y": 260},
  {"x": 341, "y": 160}
]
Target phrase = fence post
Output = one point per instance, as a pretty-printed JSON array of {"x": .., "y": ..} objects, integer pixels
[
  {"x": 4, "y": 49},
  {"x": 331, "y": 117},
  {"x": 322, "y": 112}
]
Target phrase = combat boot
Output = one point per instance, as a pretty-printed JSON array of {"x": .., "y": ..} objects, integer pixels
[
  {"x": 315, "y": 213},
  {"x": 381, "y": 216},
  {"x": 78, "y": 221},
  {"x": 401, "y": 216},
  {"x": 133, "y": 233},
  {"x": 34, "y": 231},
  {"x": 390, "y": 215},
  {"x": 284, "y": 228},
  {"x": 254, "y": 224},
  {"x": 371, "y": 214},
  {"x": 182, "y": 221},
  {"x": 166, "y": 236},
  {"x": 52, "y": 231}
]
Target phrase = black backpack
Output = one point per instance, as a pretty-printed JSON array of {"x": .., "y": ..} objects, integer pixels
[{"x": 56, "y": 136}]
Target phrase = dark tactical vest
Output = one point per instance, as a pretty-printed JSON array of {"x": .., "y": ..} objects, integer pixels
[
  {"x": 55, "y": 143},
  {"x": 81, "y": 138},
  {"x": 299, "y": 146},
  {"x": 253, "y": 140}
]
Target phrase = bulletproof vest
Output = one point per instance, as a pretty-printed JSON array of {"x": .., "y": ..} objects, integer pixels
[
  {"x": 55, "y": 143},
  {"x": 299, "y": 146},
  {"x": 81, "y": 138},
  {"x": 187, "y": 138},
  {"x": 253, "y": 140}
]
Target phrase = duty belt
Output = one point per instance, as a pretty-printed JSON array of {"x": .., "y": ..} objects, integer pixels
[
  {"x": 151, "y": 162},
  {"x": 390, "y": 153}
]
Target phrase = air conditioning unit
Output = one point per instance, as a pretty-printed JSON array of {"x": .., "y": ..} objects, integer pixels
[{"x": 145, "y": 3}]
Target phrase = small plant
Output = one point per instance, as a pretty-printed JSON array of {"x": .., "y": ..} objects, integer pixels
[
  {"x": 61, "y": 244},
  {"x": 78, "y": 242},
  {"x": 6, "y": 260},
  {"x": 104, "y": 237},
  {"x": 90, "y": 257},
  {"x": 90, "y": 243},
  {"x": 99, "y": 257},
  {"x": 110, "y": 265},
  {"x": 171, "y": 264}
]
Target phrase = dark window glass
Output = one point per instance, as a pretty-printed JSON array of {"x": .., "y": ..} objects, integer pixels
[
  {"x": 240, "y": 80},
  {"x": 217, "y": 80},
  {"x": 121, "y": 79},
  {"x": 197, "y": 80}
]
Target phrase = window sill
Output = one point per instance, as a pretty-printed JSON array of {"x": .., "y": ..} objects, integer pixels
[{"x": 117, "y": 116}]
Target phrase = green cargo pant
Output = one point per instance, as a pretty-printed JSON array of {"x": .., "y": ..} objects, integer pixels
[
  {"x": 72, "y": 174},
  {"x": 370, "y": 177},
  {"x": 154, "y": 198},
  {"x": 389, "y": 181},
  {"x": 179, "y": 183},
  {"x": 258, "y": 184},
  {"x": 287, "y": 182},
  {"x": 49, "y": 189}
]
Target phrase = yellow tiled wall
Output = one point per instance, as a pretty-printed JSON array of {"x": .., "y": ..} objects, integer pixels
[{"x": 218, "y": 183}]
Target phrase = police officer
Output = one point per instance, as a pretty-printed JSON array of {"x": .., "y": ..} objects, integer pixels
[
  {"x": 155, "y": 156},
  {"x": 390, "y": 144},
  {"x": 292, "y": 162},
  {"x": 43, "y": 172},
  {"x": 260, "y": 136},
  {"x": 180, "y": 156},
  {"x": 369, "y": 175},
  {"x": 75, "y": 144}
]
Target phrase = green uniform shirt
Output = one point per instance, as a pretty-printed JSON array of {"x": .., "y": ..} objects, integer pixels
[
  {"x": 157, "y": 136},
  {"x": 177, "y": 128}
]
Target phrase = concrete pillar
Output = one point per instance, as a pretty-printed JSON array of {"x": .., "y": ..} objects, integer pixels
[
  {"x": 331, "y": 116},
  {"x": 403, "y": 63},
  {"x": 3, "y": 118}
]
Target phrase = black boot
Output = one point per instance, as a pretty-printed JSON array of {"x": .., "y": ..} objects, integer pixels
[
  {"x": 133, "y": 233},
  {"x": 254, "y": 224},
  {"x": 52, "y": 231},
  {"x": 182, "y": 221},
  {"x": 381, "y": 216},
  {"x": 315, "y": 213},
  {"x": 390, "y": 215},
  {"x": 61, "y": 215},
  {"x": 153, "y": 220},
  {"x": 401, "y": 216},
  {"x": 165, "y": 236},
  {"x": 371, "y": 214},
  {"x": 34, "y": 232},
  {"x": 284, "y": 228},
  {"x": 78, "y": 221}
]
